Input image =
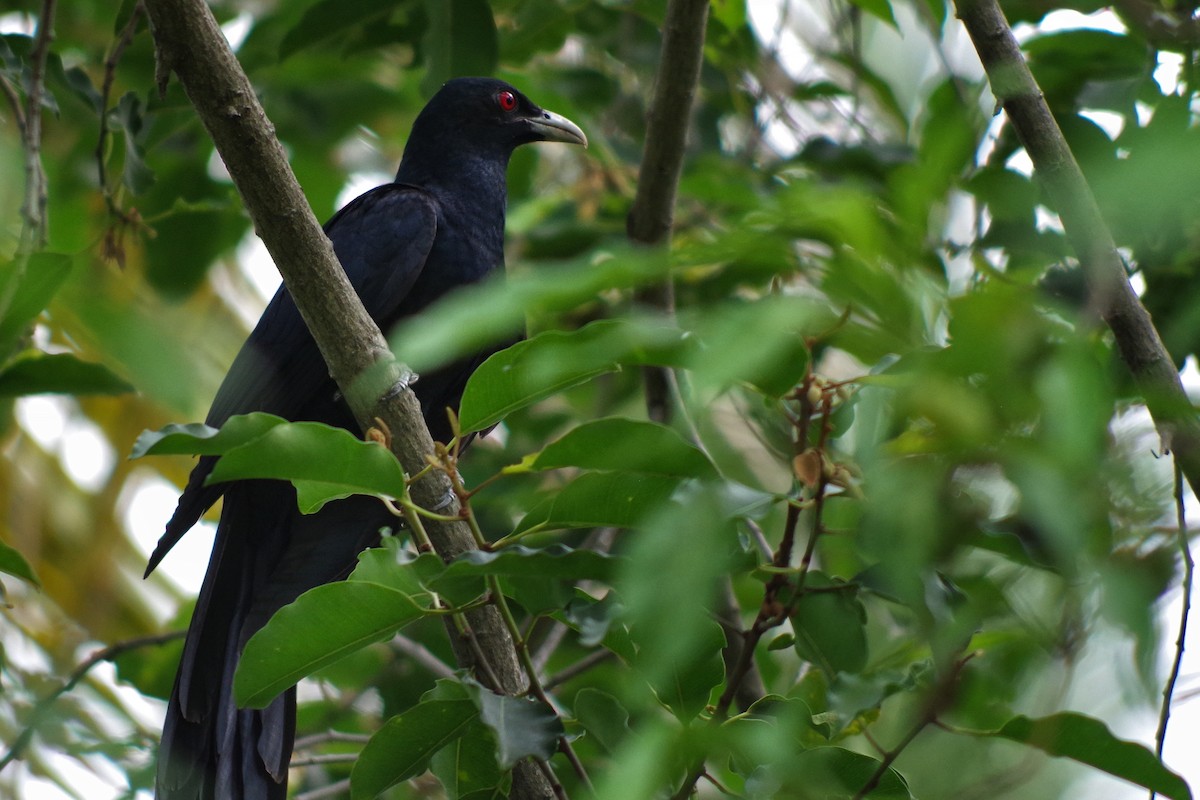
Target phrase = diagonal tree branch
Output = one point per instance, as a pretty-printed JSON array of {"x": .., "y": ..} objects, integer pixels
[
  {"x": 1111, "y": 294},
  {"x": 191, "y": 45}
]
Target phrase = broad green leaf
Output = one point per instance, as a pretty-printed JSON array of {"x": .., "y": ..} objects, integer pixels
[
  {"x": 642, "y": 765},
  {"x": 591, "y": 617},
  {"x": 537, "y": 26},
  {"x": 326, "y": 462},
  {"x": 668, "y": 585},
  {"x": 467, "y": 766},
  {"x": 1102, "y": 66},
  {"x": 13, "y": 563},
  {"x": 555, "y": 561},
  {"x": 536, "y": 579},
  {"x": 603, "y": 717},
  {"x": 131, "y": 117},
  {"x": 762, "y": 343},
  {"x": 201, "y": 440},
  {"x": 830, "y": 626},
  {"x": 454, "y": 327},
  {"x": 618, "y": 499},
  {"x": 627, "y": 445},
  {"x": 321, "y": 626},
  {"x": 461, "y": 40},
  {"x": 402, "y": 748},
  {"x": 44, "y": 273},
  {"x": 550, "y": 362},
  {"x": 390, "y": 565},
  {"x": 59, "y": 373},
  {"x": 329, "y": 19},
  {"x": 834, "y": 773},
  {"x": 880, "y": 9},
  {"x": 1089, "y": 741},
  {"x": 521, "y": 727},
  {"x": 684, "y": 680}
]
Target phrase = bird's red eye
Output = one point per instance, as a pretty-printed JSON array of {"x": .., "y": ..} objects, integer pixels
[{"x": 507, "y": 101}]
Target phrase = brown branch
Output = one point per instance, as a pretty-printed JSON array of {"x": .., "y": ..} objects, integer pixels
[
  {"x": 1111, "y": 294},
  {"x": 650, "y": 219},
  {"x": 191, "y": 45},
  {"x": 29, "y": 123},
  {"x": 33, "y": 235},
  {"x": 667, "y": 121}
]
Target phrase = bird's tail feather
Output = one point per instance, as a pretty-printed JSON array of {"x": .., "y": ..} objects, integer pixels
[{"x": 211, "y": 749}]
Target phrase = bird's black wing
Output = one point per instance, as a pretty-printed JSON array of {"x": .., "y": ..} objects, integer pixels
[{"x": 382, "y": 239}]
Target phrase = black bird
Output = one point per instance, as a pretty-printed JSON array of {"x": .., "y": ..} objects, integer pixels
[{"x": 440, "y": 225}]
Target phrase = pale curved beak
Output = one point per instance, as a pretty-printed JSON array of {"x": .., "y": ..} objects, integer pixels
[{"x": 557, "y": 128}]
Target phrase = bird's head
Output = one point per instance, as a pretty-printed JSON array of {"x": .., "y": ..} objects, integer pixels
[{"x": 486, "y": 117}]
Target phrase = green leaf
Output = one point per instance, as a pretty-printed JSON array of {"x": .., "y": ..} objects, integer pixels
[
  {"x": 13, "y": 563},
  {"x": 880, "y": 9},
  {"x": 44, "y": 274},
  {"x": 461, "y": 40},
  {"x": 61, "y": 373},
  {"x": 618, "y": 499},
  {"x": 1089, "y": 741},
  {"x": 830, "y": 626},
  {"x": 324, "y": 462},
  {"x": 669, "y": 583},
  {"x": 467, "y": 766},
  {"x": 1099, "y": 68},
  {"x": 522, "y": 727},
  {"x": 201, "y": 440},
  {"x": 329, "y": 19},
  {"x": 556, "y": 561},
  {"x": 603, "y": 717},
  {"x": 454, "y": 328},
  {"x": 537, "y": 579},
  {"x": 619, "y": 444},
  {"x": 762, "y": 343},
  {"x": 402, "y": 748},
  {"x": 834, "y": 773},
  {"x": 556, "y": 360},
  {"x": 683, "y": 679},
  {"x": 131, "y": 117},
  {"x": 392, "y": 566},
  {"x": 323, "y": 625}
]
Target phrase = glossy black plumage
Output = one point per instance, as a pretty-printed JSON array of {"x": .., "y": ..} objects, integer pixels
[{"x": 440, "y": 225}]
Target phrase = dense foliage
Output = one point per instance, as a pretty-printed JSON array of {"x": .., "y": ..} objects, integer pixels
[{"x": 900, "y": 449}]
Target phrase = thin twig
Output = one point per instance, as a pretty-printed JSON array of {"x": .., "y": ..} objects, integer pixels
[
  {"x": 317, "y": 739},
  {"x": 43, "y": 706},
  {"x": 324, "y": 758},
  {"x": 335, "y": 789},
  {"x": 578, "y": 668},
  {"x": 1160, "y": 737},
  {"x": 110, "y": 74},
  {"x": 423, "y": 656},
  {"x": 939, "y": 699}
]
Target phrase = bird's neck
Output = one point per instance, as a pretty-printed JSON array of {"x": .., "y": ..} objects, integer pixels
[
  {"x": 471, "y": 185},
  {"x": 471, "y": 194}
]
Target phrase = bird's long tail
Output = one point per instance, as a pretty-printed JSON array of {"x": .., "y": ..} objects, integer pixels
[
  {"x": 266, "y": 554},
  {"x": 211, "y": 749}
]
